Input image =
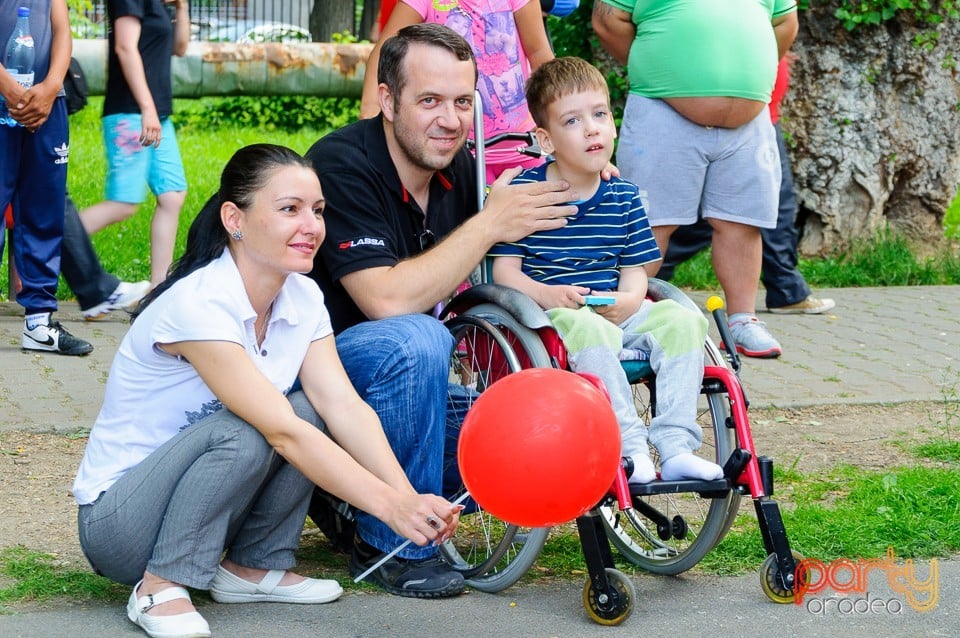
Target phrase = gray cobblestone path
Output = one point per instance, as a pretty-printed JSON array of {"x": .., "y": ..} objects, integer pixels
[{"x": 879, "y": 345}]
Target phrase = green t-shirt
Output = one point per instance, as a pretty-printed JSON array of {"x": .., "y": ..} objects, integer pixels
[{"x": 696, "y": 48}]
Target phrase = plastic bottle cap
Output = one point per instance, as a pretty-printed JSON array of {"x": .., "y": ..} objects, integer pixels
[{"x": 23, "y": 12}]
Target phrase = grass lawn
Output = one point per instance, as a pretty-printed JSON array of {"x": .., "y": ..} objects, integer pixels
[{"x": 124, "y": 247}]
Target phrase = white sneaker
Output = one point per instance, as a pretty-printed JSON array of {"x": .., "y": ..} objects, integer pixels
[
  {"x": 52, "y": 337},
  {"x": 752, "y": 338},
  {"x": 126, "y": 297}
]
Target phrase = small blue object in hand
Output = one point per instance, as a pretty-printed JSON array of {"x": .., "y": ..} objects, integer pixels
[{"x": 598, "y": 300}]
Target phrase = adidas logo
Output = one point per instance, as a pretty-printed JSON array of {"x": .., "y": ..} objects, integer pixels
[{"x": 64, "y": 152}]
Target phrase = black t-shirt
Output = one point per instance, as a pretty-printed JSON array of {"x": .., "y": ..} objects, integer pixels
[
  {"x": 155, "y": 46},
  {"x": 370, "y": 218}
]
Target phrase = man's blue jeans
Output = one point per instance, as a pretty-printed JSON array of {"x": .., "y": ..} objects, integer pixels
[{"x": 400, "y": 366}]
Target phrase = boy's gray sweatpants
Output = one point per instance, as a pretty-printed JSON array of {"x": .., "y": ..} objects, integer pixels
[{"x": 672, "y": 336}]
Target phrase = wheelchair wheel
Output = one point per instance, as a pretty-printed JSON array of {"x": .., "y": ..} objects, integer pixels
[
  {"x": 600, "y": 611},
  {"x": 489, "y": 344},
  {"x": 773, "y": 586},
  {"x": 702, "y": 521}
]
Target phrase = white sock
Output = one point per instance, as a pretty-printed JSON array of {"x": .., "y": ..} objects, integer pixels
[
  {"x": 689, "y": 466},
  {"x": 643, "y": 470},
  {"x": 38, "y": 319}
]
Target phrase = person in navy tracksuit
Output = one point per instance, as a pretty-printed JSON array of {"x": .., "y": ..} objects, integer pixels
[{"x": 33, "y": 171}]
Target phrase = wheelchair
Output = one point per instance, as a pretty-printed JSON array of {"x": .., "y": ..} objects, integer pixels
[{"x": 664, "y": 527}]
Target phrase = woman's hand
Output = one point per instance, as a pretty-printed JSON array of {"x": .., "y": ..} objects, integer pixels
[{"x": 424, "y": 518}]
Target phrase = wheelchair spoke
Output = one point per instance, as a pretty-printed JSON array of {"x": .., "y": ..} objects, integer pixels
[
  {"x": 491, "y": 554},
  {"x": 704, "y": 520}
]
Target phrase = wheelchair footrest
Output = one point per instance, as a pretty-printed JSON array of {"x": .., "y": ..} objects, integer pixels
[{"x": 708, "y": 489}]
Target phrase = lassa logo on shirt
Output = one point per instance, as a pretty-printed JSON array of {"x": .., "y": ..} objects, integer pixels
[{"x": 360, "y": 241}]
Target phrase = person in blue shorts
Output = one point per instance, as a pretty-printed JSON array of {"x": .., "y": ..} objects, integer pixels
[
  {"x": 603, "y": 250},
  {"x": 137, "y": 131},
  {"x": 33, "y": 172}
]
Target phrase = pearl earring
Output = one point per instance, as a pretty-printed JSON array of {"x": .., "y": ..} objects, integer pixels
[{"x": 237, "y": 235}]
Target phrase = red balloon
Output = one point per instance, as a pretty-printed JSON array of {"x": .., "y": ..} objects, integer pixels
[{"x": 539, "y": 447}]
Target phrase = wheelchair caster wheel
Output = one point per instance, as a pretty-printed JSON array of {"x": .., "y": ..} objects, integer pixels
[
  {"x": 771, "y": 584},
  {"x": 602, "y": 611}
]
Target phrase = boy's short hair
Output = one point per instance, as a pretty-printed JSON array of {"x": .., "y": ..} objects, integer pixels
[{"x": 559, "y": 77}]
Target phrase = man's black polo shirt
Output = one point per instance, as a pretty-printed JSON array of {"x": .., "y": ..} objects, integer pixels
[{"x": 371, "y": 220}]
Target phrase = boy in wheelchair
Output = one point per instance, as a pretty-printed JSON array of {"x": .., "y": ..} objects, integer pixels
[{"x": 602, "y": 250}]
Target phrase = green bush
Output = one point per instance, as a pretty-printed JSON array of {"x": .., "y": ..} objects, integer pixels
[
  {"x": 853, "y": 13},
  {"x": 951, "y": 221},
  {"x": 269, "y": 113}
]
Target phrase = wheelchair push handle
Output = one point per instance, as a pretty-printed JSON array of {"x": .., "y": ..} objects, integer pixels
[
  {"x": 530, "y": 145},
  {"x": 715, "y": 306}
]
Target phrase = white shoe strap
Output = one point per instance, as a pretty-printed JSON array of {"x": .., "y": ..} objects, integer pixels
[
  {"x": 271, "y": 580},
  {"x": 148, "y": 601}
]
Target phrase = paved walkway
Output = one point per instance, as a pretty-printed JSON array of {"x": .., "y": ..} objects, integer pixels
[
  {"x": 880, "y": 345},
  {"x": 687, "y": 606}
]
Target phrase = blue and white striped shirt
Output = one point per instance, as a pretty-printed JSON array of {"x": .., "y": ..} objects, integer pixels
[{"x": 609, "y": 232}]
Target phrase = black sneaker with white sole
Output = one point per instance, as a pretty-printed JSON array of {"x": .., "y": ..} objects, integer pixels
[
  {"x": 426, "y": 578},
  {"x": 53, "y": 338}
]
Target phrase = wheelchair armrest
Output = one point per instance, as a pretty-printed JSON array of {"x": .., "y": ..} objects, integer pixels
[{"x": 521, "y": 307}]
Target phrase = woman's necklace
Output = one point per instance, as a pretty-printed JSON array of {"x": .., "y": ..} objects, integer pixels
[{"x": 261, "y": 333}]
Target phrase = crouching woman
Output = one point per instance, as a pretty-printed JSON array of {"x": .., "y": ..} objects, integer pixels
[{"x": 200, "y": 466}]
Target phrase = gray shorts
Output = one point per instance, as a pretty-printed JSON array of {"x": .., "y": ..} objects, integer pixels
[{"x": 689, "y": 171}]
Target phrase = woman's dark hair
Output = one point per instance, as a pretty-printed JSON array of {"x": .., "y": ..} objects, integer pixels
[
  {"x": 394, "y": 50},
  {"x": 245, "y": 173}
]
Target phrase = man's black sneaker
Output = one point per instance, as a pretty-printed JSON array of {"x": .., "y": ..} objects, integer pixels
[
  {"x": 426, "y": 578},
  {"x": 53, "y": 338}
]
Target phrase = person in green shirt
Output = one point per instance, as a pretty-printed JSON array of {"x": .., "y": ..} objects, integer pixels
[{"x": 696, "y": 131}]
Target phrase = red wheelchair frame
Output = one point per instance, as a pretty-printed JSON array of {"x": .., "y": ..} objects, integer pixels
[{"x": 608, "y": 594}]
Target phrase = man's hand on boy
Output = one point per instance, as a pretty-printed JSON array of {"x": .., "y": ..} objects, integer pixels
[
  {"x": 608, "y": 172},
  {"x": 514, "y": 211}
]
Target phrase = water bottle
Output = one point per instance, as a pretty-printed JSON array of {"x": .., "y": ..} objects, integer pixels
[{"x": 18, "y": 60}]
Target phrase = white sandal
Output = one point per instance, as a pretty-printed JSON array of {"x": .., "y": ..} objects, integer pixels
[{"x": 189, "y": 625}]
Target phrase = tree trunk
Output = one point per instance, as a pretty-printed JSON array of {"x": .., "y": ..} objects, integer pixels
[
  {"x": 371, "y": 8},
  {"x": 874, "y": 125},
  {"x": 331, "y": 16}
]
